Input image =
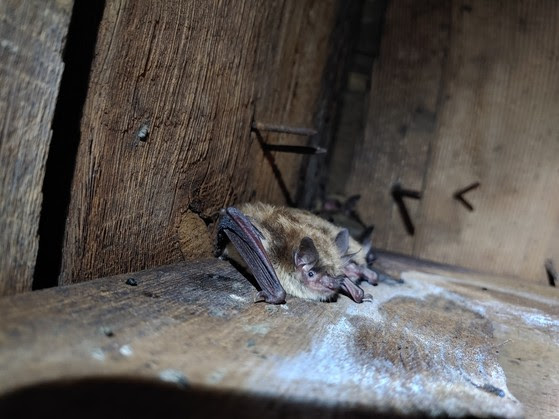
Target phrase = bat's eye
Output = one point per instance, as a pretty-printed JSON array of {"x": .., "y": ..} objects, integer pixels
[{"x": 310, "y": 274}]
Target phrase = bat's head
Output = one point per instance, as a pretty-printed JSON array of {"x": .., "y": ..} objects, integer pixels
[{"x": 320, "y": 278}]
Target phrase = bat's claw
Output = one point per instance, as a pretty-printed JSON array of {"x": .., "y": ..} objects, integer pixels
[{"x": 368, "y": 298}]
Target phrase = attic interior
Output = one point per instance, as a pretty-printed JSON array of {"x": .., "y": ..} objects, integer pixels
[{"x": 430, "y": 128}]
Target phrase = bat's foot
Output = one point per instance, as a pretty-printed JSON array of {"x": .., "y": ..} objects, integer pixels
[
  {"x": 353, "y": 291},
  {"x": 357, "y": 272},
  {"x": 277, "y": 298},
  {"x": 385, "y": 277},
  {"x": 370, "y": 275}
]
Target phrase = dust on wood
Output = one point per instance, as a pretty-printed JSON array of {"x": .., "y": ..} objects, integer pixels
[
  {"x": 462, "y": 95},
  {"x": 525, "y": 322},
  {"x": 197, "y": 76},
  {"x": 443, "y": 342},
  {"x": 32, "y": 38}
]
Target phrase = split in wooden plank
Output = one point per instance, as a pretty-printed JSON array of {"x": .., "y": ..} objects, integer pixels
[{"x": 32, "y": 38}]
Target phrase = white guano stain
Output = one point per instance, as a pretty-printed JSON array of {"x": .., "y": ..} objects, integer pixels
[
  {"x": 493, "y": 309},
  {"x": 332, "y": 365},
  {"x": 237, "y": 298},
  {"x": 98, "y": 354},
  {"x": 126, "y": 350}
]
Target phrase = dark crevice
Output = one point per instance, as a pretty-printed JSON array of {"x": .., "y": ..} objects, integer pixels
[
  {"x": 78, "y": 57},
  {"x": 313, "y": 169},
  {"x": 552, "y": 276},
  {"x": 364, "y": 28}
]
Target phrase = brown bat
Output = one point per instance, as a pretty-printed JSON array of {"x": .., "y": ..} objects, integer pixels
[
  {"x": 342, "y": 212},
  {"x": 294, "y": 251}
]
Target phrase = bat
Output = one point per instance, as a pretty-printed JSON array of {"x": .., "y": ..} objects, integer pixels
[
  {"x": 292, "y": 251},
  {"x": 342, "y": 212}
]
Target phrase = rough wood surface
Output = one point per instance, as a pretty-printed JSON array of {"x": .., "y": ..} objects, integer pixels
[
  {"x": 465, "y": 93},
  {"x": 445, "y": 341},
  {"x": 405, "y": 97},
  {"x": 32, "y": 38},
  {"x": 191, "y": 78}
]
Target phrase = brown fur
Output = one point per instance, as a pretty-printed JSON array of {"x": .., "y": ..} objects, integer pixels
[{"x": 283, "y": 229}]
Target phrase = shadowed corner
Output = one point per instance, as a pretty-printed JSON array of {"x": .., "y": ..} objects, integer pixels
[{"x": 118, "y": 397}]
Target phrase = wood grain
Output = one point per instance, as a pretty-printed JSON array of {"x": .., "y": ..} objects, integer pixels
[
  {"x": 427, "y": 346},
  {"x": 499, "y": 126},
  {"x": 194, "y": 77},
  {"x": 466, "y": 93},
  {"x": 32, "y": 38},
  {"x": 401, "y": 120}
]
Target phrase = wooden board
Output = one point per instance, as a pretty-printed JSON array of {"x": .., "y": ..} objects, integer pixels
[
  {"x": 352, "y": 114},
  {"x": 192, "y": 78},
  {"x": 499, "y": 126},
  {"x": 404, "y": 101},
  {"x": 464, "y": 93},
  {"x": 32, "y": 38},
  {"x": 188, "y": 337}
]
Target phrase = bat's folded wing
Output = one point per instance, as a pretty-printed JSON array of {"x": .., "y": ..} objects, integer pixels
[{"x": 246, "y": 240}]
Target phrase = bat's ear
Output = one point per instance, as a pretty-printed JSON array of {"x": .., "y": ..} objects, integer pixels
[
  {"x": 351, "y": 203},
  {"x": 367, "y": 242},
  {"x": 331, "y": 204},
  {"x": 306, "y": 255},
  {"x": 342, "y": 241}
]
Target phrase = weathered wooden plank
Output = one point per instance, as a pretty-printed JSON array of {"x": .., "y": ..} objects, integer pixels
[
  {"x": 32, "y": 37},
  {"x": 194, "y": 76},
  {"x": 442, "y": 342},
  {"x": 525, "y": 321},
  {"x": 288, "y": 93},
  {"x": 499, "y": 126},
  {"x": 404, "y": 100},
  {"x": 488, "y": 112}
]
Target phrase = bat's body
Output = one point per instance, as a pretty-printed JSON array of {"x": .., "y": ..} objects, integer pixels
[
  {"x": 294, "y": 251},
  {"x": 342, "y": 212}
]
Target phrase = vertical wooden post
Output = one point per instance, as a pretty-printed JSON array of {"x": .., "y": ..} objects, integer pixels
[{"x": 32, "y": 38}]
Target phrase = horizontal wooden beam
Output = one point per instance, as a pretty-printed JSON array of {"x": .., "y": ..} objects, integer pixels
[{"x": 188, "y": 338}]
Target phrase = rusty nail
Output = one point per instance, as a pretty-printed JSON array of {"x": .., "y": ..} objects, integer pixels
[
  {"x": 294, "y": 149},
  {"x": 459, "y": 195},
  {"x": 261, "y": 126},
  {"x": 398, "y": 194}
]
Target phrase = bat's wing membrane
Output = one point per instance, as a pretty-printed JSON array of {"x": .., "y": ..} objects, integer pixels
[{"x": 246, "y": 239}]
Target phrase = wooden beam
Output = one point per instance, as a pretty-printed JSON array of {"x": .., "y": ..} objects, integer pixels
[
  {"x": 461, "y": 94},
  {"x": 190, "y": 80},
  {"x": 32, "y": 38},
  {"x": 188, "y": 337}
]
